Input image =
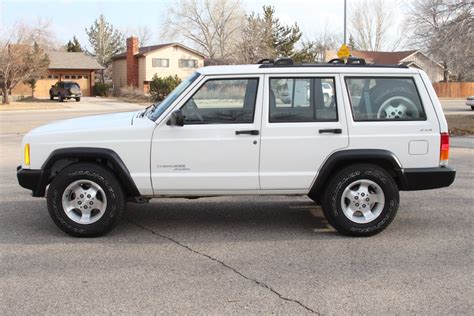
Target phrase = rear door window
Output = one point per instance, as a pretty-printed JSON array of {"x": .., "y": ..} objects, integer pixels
[
  {"x": 307, "y": 99},
  {"x": 384, "y": 99}
]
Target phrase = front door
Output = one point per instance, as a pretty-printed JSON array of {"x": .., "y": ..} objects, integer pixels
[
  {"x": 217, "y": 149},
  {"x": 303, "y": 123}
]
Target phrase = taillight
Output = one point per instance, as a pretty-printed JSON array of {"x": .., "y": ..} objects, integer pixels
[{"x": 444, "y": 149}]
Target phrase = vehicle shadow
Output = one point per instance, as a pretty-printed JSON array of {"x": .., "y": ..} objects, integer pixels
[{"x": 209, "y": 219}]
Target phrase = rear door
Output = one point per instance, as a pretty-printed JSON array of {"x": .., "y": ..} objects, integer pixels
[{"x": 303, "y": 123}]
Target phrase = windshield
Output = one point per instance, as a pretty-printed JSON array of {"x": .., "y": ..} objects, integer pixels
[{"x": 159, "y": 109}]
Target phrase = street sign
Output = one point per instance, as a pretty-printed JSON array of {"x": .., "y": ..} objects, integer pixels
[{"x": 344, "y": 52}]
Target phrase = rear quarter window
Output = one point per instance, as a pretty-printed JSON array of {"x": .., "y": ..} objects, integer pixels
[{"x": 384, "y": 99}]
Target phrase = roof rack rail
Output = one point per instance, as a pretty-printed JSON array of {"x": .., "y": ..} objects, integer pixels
[
  {"x": 350, "y": 61},
  {"x": 278, "y": 61}
]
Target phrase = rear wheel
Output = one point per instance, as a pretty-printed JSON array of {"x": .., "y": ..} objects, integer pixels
[
  {"x": 51, "y": 97},
  {"x": 361, "y": 200},
  {"x": 85, "y": 200},
  {"x": 472, "y": 107},
  {"x": 60, "y": 98},
  {"x": 78, "y": 99}
]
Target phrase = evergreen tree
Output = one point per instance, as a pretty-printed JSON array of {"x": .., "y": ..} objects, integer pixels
[
  {"x": 105, "y": 41},
  {"x": 74, "y": 45},
  {"x": 281, "y": 38}
]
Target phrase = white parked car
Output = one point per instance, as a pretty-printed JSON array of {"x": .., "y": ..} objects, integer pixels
[
  {"x": 223, "y": 131},
  {"x": 470, "y": 102}
]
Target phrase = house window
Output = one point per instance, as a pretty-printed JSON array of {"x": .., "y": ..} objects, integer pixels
[
  {"x": 67, "y": 77},
  {"x": 86, "y": 77},
  {"x": 73, "y": 77},
  {"x": 188, "y": 63},
  {"x": 160, "y": 62},
  {"x": 79, "y": 77},
  {"x": 50, "y": 76}
]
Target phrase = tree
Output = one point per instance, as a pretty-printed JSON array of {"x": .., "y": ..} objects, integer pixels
[
  {"x": 213, "y": 26},
  {"x": 369, "y": 23},
  {"x": 105, "y": 41},
  {"x": 444, "y": 29},
  {"x": 20, "y": 63},
  {"x": 265, "y": 37},
  {"x": 144, "y": 35},
  {"x": 74, "y": 45},
  {"x": 32, "y": 83},
  {"x": 352, "y": 44}
]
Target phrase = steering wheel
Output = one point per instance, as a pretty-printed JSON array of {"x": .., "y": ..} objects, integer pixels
[
  {"x": 191, "y": 111},
  {"x": 397, "y": 108}
]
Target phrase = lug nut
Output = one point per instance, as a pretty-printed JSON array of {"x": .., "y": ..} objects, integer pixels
[
  {"x": 363, "y": 194},
  {"x": 82, "y": 195},
  {"x": 89, "y": 196},
  {"x": 85, "y": 206},
  {"x": 367, "y": 199},
  {"x": 356, "y": 197},
  {"x": 357, "y": 204},
  {"x": 90, "y": 203},
  {"x": 363, "y": 205},
  {"x": 79, "y": 202}
]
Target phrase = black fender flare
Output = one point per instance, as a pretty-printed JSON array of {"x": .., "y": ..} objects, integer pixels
[
  {"x": 340, "y": 159},
  {"x": 87, "y": 154}
]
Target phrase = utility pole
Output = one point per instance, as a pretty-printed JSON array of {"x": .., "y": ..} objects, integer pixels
[{"x": 345, "y": 20}]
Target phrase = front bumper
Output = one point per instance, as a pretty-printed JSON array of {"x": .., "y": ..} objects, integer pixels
[
  {"x": 34, "y": 180},
  {"x": 427, "y": 178}
]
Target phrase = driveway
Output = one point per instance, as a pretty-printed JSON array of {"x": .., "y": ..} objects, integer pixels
[
  {"x": 233, "y": 255},
  {"x": 455, "y": 106}
]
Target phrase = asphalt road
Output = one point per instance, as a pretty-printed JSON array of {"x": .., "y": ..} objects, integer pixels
[
  {"x": 455, "y": 106},
  {"x": 240, "y": 255}
]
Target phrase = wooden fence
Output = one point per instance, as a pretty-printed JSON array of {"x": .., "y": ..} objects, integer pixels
[{"x": 454, "y": 89}]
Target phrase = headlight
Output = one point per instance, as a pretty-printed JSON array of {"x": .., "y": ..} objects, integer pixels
[{"x": 27, "y": 154}]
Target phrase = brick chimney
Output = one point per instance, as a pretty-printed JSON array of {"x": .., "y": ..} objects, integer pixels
[{"x": 132, "y": 61}]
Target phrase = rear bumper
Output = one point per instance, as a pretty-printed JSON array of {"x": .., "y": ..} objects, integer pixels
[
  {"x": 427, "y": 178},
  {"x": 34, "y": 180}
]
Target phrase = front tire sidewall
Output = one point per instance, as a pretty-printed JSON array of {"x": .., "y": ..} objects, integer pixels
[
  {"x": 332, "y": 202},
  {"x": 111, "y": 187}
]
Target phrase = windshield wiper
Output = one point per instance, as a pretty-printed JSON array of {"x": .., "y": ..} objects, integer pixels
[{"x": 151, "y": 106}]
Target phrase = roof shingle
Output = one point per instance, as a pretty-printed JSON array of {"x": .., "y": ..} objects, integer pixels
[
  {"x": 383, "y": 57},
  {"x": 69, "y": 60}
]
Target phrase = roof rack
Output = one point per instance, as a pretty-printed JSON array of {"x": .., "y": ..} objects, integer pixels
[{"x": 351, "y": 62}]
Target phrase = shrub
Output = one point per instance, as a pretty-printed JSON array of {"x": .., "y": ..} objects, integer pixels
[
  {"x": 101, "y": 89},
  {"x": 161, "y": 87}
]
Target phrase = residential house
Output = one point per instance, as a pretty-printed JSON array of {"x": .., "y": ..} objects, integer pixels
[
  {"x": 410, "y": 58},
  {"x": 64, "y": 66},
  {"x": 137, "y": 66}
]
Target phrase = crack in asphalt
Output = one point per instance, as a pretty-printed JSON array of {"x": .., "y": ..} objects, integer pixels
[{"x": 260, "y": 283}]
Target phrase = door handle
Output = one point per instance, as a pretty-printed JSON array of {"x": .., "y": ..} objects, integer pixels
[
  {"x": 331, "y": 131},
  {"x": 249, "y": 132}
]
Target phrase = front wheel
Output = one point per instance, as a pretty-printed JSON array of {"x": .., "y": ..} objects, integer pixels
[
  {"x": 78, "y": 99},
  {"x": 472, "y": 107},
  {"x": 85, "y": 200},
  {"x": 361, "y": 200}
]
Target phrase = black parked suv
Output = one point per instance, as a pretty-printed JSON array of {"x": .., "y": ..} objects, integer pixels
[{"x": 65, "y": 90}]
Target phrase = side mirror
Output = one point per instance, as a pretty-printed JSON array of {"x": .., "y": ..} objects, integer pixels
[{"x": 176, "y": 119}]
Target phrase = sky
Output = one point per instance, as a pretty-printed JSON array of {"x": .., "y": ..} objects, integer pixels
[{"x": 71, "y": 17}]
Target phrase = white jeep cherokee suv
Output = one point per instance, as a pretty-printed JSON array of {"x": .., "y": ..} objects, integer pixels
[{"x": 225, "y": 131}]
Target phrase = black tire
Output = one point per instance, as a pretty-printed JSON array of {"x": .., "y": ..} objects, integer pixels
[
  {"x": 472, "y": 107},
  {"x": 60, "y": 98},
  {"x": 331, "y": 201},
  {"x": 78, "y": 99},
  {"x": 51, "y": 97},
  {"x": 109, "y": 184}
]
